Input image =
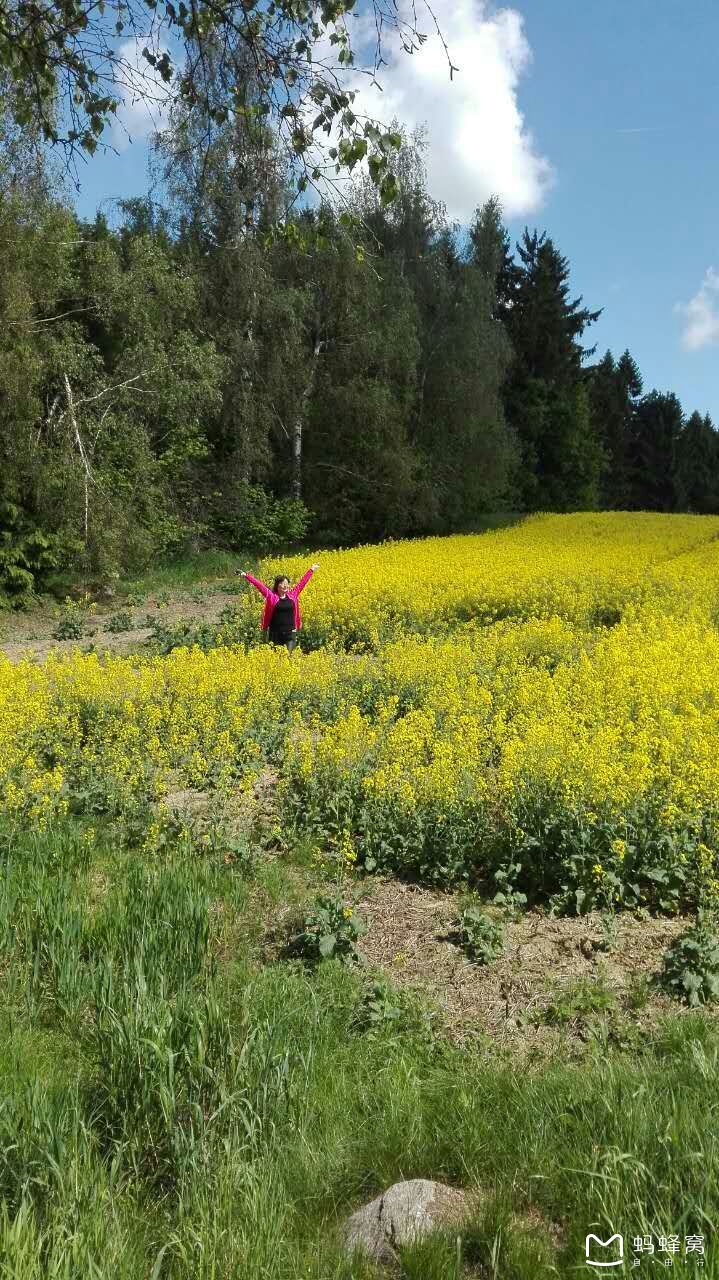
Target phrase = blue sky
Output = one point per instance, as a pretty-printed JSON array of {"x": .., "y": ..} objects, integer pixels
[
  {"x": 637, "y": 214},
  {"x": 597, "y": 121}
]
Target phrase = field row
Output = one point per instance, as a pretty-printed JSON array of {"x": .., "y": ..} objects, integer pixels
[
  {"x": 585, "y": 568},
  {"x": 539, "y": 757}
]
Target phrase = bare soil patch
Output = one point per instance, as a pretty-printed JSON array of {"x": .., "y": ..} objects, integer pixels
[
  {"x": 410, "y": 939},
  {"x": 26, "y": 635}
]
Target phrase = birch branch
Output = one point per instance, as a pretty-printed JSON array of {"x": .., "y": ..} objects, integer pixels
[
  {"x": 81, "y": 451},
  {"x": 117, "y": 387}
]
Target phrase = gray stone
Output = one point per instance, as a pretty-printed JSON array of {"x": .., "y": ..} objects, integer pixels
[{"x": 403, "y": 1214}]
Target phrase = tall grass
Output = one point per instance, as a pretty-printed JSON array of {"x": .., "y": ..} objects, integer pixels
[{"x": 170, "y": 1110}]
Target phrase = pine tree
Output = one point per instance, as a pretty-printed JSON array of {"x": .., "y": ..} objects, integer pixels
[
  {"x": 698, "y": 466},
  {"x": 653, "y": 453},
  {"x": 491, "y": 254},
  {"x": 613, "y": 389},
  {"x": 562, "y": 457},
  {"x": 467, "y": 454}
]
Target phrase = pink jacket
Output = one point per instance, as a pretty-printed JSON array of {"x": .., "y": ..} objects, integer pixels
[{"x": 271, "y": 599}]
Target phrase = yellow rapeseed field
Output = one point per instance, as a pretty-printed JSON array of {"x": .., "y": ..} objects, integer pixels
[{"x": 534, "y": 711}]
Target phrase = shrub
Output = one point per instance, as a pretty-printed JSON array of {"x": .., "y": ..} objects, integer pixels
[
  {"x": 383, "y": 1008},
  {"x": 579, "y": 1002},
  {"x": 690, "y": 969},
  {"x": 27, "y": 556},
  {"x": 480, "y": 936},
  {"x": 72, "y": 619},
  {"x": 250, "y": 519},
  {"x": 119, "y": 622},
  {"x": 331, "y": 928}
]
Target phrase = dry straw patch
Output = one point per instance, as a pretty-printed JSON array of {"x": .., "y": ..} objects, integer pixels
[{"x": 410, "y": 939}]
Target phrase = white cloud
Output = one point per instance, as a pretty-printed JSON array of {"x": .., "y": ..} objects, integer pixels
[
  {"x": 701, "y": 314},
  {"x": 479, "y": 144},
  {"x": 144, "y": 101}
]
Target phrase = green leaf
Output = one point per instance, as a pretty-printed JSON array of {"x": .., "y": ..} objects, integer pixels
[
  {"x": 328, "y": 944},
  {"x": 377, "y": 165},
  {"x": 389, "y": 189}
]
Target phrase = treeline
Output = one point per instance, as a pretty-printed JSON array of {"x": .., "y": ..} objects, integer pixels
[{"x": 221, "y": 368}]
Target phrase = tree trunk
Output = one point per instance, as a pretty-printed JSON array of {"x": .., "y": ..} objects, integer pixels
[
  {"x": 298, "y": 429},
  {"x": 248, "y": 387},
  {"x": 83, "y": 456}
]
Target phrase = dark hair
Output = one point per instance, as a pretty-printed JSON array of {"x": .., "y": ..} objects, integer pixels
[{"x": 281, "y": 577}]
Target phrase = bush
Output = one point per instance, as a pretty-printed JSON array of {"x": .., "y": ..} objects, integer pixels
[
  {"x": 72, "y": 619},
  {"x": 119, "y": 622},
  {"x": 578, "y": 1003},
  {"x": 330, "y": 929},
  {"x": 27, "y": 556},
  {"x": 480, "y": 936},
  {"x": 250, "y": 519},
  {"x": 385, "y": 1009},
  {"x": 691, "y": 964}
]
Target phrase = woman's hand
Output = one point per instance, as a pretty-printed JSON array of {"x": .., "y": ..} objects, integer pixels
[
  {"x": 315, "y": 567},
  {"x": 241, "y": 572}
]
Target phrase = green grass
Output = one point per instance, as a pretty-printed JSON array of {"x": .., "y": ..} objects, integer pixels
[
  {"x": 174, "y": 1107},
  {"x": 181, "y": 574}
]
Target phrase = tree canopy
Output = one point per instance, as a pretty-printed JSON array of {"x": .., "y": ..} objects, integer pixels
[
  {"x": 291, "y": 62},
  {"x": 172, "y": 376}
]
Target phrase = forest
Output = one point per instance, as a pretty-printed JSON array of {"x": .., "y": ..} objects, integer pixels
[{"x": 224, "y": 362}]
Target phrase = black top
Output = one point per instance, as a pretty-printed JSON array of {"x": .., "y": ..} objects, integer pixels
[{"x": 282, "y": 622}]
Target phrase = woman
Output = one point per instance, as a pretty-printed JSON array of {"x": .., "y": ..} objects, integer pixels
[{"x": 281, "y": 618}]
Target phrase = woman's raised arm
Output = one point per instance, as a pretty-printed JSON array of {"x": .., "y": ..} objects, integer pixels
[
  {"x": 303, "y": 581},
  {"x": 263, "y": 590}
]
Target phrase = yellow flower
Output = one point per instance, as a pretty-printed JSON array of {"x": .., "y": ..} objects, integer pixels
[{"x": 572, "y": 671}]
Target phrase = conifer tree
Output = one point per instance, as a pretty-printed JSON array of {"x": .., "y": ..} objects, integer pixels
[
  {"x": 698, "y": 466},
  {"x": 561, "y": 455},
  {"x": 653, "y": 453}
]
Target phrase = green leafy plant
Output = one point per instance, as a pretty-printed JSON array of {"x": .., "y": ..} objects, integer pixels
[
  {"x": 331, "y": 928},
  {"x": 507, "y": 894},
  {"x": 70, "y": 627},
  {"x": 72, "y": 619},
  {"x": 249, "y": 518},
  {"x": 381, "y": 1007},
  {"x": 27, "y": 556},
  {"x": 690, "y": 970},
  {"x": 480, "y": 936},
  {"x": 610, "y": 931},
  {"x": 120, "y": 622},
  {"x": 578, "y": 1002},
  {"x": 230, "y": 616},
  {"x": 638, "y": 992}
]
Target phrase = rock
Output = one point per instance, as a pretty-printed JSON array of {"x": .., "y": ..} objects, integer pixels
[{"x": 406, "y": 1212}]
